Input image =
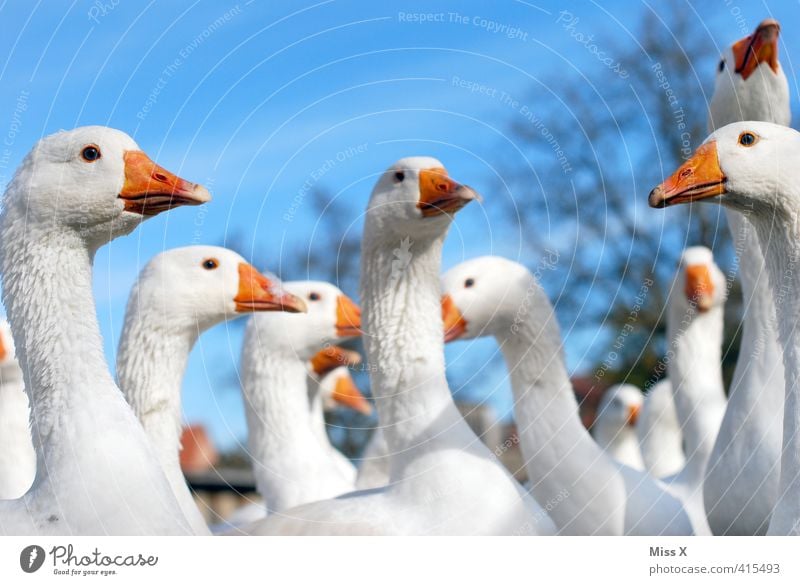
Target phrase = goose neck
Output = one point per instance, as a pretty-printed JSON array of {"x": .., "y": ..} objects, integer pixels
[
  {"x": 782, "y": 247},
  {"x": 404, "y": 341},
  {"x": 694, "y": 361},
  {"x": 47, "y": 291},
  {"x": 151, "y": 362}
]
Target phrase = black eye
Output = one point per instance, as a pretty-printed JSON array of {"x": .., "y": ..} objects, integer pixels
[
  {"x": 721, "y": 67},
  {"x": 747, "y": 139},
  {"x": 313, "y": 296},
  {"x": 399, "y": 176},
  {"x": 210, "y": 263},
  {"x": 469, "y": 283},
  {"x": 90, "y": 153}
]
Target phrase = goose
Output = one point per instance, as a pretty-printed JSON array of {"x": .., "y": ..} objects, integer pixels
[
  {"x": 443, "y": 479},
  {"x": 695, "y": 321},
  {"x": 17, "y": 457},
  {"x": 751, "y": 167},
  {"x": 614, "y": 429},
  {"x": 331, "y": 386},
  {"x": 584, "y": 490},
  {"x": 292, "y": 464},
  {"x": 179, "y": 294},
  {"x": 659, "y": 432},
  {"x": 741, "y": 485},
  {"x": 96, "y": 472}
]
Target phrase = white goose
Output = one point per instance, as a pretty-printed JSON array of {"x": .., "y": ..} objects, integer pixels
[
  {"x": 753, "y": 167},
  {"x": 293, "y": 465},
  {"x": 695, "y": 320},
  {"x": 179, "y": 294},
  {"x": 659, "y": 432},
  {"x": 741, "y": 484},
  {"x": 329, "y": 385},
  {"x": 17, "y": 457},
  {"x": 96, "y": 472},
  {"x": 614, "y": 429},
  {"x": 584, "y": 490},
  {"x": 443, "y": 479}
]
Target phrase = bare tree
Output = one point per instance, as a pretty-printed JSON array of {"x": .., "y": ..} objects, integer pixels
[{"x": 606, "y": 140}]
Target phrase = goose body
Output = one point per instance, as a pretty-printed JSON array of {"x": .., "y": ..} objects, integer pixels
[
  {"x": 659, "y": 432},
  {"x": 753, "y": 167},
  {"x": 585, "y": 491},
  {"x": 741, "y": 485},
  {"x": 17, "y": 457},
  {"x": 443, "y": 480},
  {"x": 179, "y": 294},
  {"x": 96, "y": 472},
  {"x": 614, "y": 429}
]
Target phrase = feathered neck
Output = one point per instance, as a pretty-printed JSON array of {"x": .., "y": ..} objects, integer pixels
[
  {"x": 47, "y": 291},
  {"x": 781, "y": 244},
  {"x": 151, "y": 362},
  {"x": 290, "y": 463},
  {"x": 694, "y": 363},
  {"x": 757, "y": 382},
  {"x": 404, "y": 342},
  {"x": 560, "y": 454}
]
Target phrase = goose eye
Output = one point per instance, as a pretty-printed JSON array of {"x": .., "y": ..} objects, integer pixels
[
  {"x": 721, "y": 67},
  {"x": 210, "y": 263},
  {"x": 747, "y": 139},
  {"x": 313, "y": 296},
  {"x": 90, "y": 153},
  {"x": 399, "y": 176},
  {"x": 469, "y": 283}
]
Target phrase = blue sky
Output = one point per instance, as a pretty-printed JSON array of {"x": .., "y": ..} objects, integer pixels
[{"x": 254, "y": 98}]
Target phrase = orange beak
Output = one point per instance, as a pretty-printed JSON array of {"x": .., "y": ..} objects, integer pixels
[
  {"x": 258, "y": 293},
  {"x": 633, "y": 414},
  {"x": 454, "y": 323},
  {"x": 348, "y": 317},
  {"x": 347, "y": 394},
  {"x": 698, "y": 178},
  {"x": 3, "y": 350},
  {"x": 150, "y": 189},
  {"x": 439, "y": 194},
  {"x": 759, "y": 47},
  {"x": 699, "y": 287},
  {"x": 332, "y": 357}
]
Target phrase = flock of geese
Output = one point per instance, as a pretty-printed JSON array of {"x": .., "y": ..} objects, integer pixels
[{"x": 82, "y": 453}]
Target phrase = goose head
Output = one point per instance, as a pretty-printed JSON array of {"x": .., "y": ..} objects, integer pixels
[
  {"x": 619, "y": 408},
  {"x": 331, "y": 317},
  {"x": 338, "y": 388},
  {"x": 489, "y": 295},
  {"x": 201, "y": 286},
  {"x": 415, "y": 196},
  {"x": 699, "y": 283},
  {"x": 748, "y": 166},
  {"x": 750, "y": 84},
  {"x": 97, "y": 181}
]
